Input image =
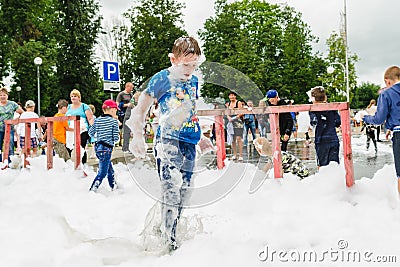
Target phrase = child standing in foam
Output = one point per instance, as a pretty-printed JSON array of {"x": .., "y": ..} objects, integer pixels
[
  {"x": 176, "y": 90},
  {"x": 29, "y": 114},
  {"x": 325, "y": 123},
  {"x": 106, "y": 130}
]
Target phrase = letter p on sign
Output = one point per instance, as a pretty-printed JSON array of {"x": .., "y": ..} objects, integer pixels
[{"x": 110, "y": 71}]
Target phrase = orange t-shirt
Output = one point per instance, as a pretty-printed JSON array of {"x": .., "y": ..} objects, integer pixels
[{"x": 59, "y": 129}]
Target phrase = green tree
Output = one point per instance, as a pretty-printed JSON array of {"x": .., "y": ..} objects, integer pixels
[
  {"x": 363, "y": 95},
  {"x": 78, "y": 27},
  {"x": 155, "y": 25},
  {"x": 26, "y": 26},
  {"x": 268, "y": 43},
  {"x": 336, "y": 87}
]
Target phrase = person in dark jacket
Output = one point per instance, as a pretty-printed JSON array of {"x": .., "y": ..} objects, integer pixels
[
  {"x": 285, "y": 119},
  {"x": 325, "y": 123}
]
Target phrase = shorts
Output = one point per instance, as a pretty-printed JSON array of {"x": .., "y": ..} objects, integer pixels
[
  {"x": 327, "y": 152},
  {"x": 34, "y": 143},
  {"x": 237, "y": 132}
]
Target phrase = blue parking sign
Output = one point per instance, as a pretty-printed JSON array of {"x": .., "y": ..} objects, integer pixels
[{"x": 110, "y": 71}]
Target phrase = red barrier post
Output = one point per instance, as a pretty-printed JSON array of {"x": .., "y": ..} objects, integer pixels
[
  {"x": 276, "y": 145},
  {"x": 220, "y": 140},
  {"x": 348, "y": 154},
  {"x": 6, "y": 142},
  {"x": 77, "y": 133},
  {"x": 27, "y": 145},
  {"x": 50, "y": 145}
]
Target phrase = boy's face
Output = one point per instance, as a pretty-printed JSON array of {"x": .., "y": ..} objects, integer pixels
[
  {"x": 274, "y": 101},
  {"x": 63, "y": 110},
  {"x": 184, "y": 66}
]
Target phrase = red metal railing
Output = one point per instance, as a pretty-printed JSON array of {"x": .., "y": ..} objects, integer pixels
[
  {"x": 273, "y": 111},
  {"x": 50, "y": 121}
]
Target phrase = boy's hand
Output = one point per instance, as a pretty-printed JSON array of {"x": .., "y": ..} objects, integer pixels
[{"x": 138, "y": 147}]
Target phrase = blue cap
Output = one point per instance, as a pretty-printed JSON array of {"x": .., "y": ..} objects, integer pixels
[{"x": 271, "y": 94}]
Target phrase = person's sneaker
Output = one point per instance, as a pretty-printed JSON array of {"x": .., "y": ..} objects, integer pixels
[
  {"x": 95, "y": 186},
  {"x": 173, "y": 246},
  {"x": 240, "y": 159},
  {"x": 233, "y": 157}
]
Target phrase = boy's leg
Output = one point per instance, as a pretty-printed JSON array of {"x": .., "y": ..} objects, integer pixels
[
  {"x": 189, "y": 155},
  {"x": 104, "y": 157},
  {"x": 334, "y": 152},
  {"x": 168, "y": 160},
  {"x": 110, "y": 175},
  {"x": 396, "y": 155}
]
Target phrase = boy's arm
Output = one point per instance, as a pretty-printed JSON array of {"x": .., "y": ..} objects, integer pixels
[
  {"x": 313, "y": 119},
  {"x": 381, "y": 112},
  {"x": 136, "y": 123},
  {"x": 92, "y": 130}
]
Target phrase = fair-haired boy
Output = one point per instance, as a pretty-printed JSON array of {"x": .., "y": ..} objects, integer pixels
[
  {"x": 60, "y": 129},
  {"x": 176, "y": 90},
  {"x": 105, "y": 129}
]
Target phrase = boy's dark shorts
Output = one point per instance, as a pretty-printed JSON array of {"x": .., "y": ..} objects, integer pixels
[{"x": 327, "y": 152}]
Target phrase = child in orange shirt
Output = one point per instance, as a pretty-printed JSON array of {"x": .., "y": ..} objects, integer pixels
[{"x": 59, "y": 131}]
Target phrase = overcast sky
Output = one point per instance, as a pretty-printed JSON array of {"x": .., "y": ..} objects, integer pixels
[{"x": 373, "y": 27}]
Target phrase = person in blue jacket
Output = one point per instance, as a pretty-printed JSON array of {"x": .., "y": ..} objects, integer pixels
[
  {"x": 388, "y": 110},
  {"x": 325, "y": 123}
]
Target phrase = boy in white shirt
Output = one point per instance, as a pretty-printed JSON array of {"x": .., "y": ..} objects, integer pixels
[{"x": 29, "y": 114}]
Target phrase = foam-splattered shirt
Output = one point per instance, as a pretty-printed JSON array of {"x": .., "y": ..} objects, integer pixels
[{"x": 178, "y": 119}]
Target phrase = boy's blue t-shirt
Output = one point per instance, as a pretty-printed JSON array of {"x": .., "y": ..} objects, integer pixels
[{"x": 179, "y": 98}]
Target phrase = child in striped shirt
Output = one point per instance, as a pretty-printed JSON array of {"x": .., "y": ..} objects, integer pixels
[{"x": 105, "y": 129}]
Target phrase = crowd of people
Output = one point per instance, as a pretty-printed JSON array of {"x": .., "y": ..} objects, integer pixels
[{"x": 168, "y": 103}]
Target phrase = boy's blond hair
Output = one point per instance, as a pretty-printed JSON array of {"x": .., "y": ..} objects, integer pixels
[
  {"x": 392, "y": 73},
  {"x": 184, "y": 46},
  {"x": 318, "y": 93}
]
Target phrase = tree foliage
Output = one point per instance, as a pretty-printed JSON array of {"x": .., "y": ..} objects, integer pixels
[
  {"x": 63, "y": 33},
  {"x": 268, "y": 43},
  {"x": 336, "y": 81},
  {"x": 78, "y": 28},
  {"x": 155, "y": 25},
  {"x": 363, "y": 95}
]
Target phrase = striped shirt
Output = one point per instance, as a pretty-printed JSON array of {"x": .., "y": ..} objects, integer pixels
[{"x": 105, "y": 130}]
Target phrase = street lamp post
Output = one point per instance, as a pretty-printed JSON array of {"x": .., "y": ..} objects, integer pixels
[
  {"x": 38, "y": 61},
  {"x": 346, "y": 51},
  {"x": 331, "y": 69},
  {"x": 18, "y": 88}
]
